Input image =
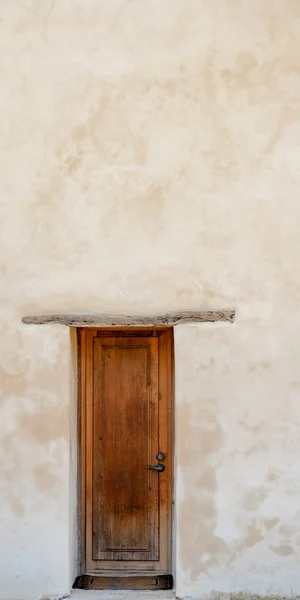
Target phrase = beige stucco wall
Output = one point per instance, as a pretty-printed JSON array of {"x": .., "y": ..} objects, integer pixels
[{"x": 150, "y": 162}]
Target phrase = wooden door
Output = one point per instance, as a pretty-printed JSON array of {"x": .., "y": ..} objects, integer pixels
[{"x": 126, "y": 388}]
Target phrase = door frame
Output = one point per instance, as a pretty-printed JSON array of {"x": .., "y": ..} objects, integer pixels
[{"x": 82, "y": 444}]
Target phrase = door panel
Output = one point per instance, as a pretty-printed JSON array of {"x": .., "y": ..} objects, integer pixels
[
  {"x": 125, "y": 497},
  {"x": 126, "y": 420}
]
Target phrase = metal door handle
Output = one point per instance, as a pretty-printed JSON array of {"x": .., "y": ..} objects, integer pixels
[{"x": 158, "y": 467}]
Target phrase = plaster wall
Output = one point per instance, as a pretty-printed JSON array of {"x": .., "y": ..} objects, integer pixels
[{"x": 149, "y": 163}]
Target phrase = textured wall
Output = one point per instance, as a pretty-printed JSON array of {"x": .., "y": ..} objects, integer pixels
[{"x": 149, "y": 162}]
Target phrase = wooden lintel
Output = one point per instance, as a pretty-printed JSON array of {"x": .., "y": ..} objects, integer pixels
[{"x": 100, "y": 320}]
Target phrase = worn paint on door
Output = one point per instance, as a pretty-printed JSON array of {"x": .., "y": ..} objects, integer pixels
[{"x": 126, "y": 420}]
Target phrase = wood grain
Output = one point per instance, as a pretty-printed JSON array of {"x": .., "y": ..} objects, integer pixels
[
  {"x": 125, "y": 521},
  {"x": 100, "y": 320},
  {"x": 166, "y": 376},
  {"x": 126, "y": 397},
  {"x": 141, "y": 582}
]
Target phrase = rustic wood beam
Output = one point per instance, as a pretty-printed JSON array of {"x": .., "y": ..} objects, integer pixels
[{"x": 100, "y": 320}]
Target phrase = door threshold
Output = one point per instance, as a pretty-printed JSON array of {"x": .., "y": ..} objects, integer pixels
[
  {"x": 124, "y": 582},
  {"x": 123, "y": 572}
]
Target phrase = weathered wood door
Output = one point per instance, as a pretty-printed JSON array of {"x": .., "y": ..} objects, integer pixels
[{"x": 126, "y": 421}]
